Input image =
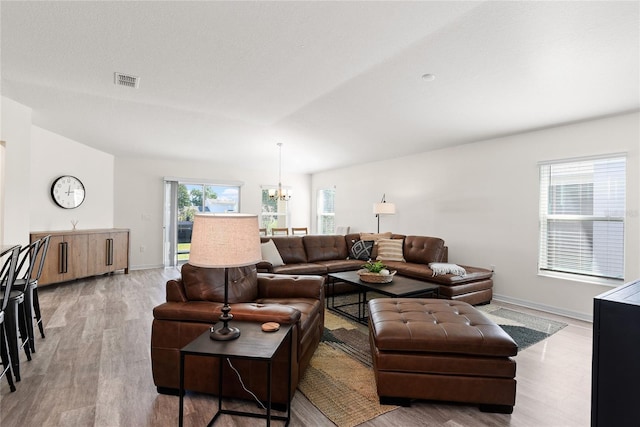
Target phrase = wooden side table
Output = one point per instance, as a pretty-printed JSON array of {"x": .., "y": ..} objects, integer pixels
[{"x": 253, "y": 344}]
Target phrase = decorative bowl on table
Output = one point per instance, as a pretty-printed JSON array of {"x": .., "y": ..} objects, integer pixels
[{"x": 369, "y": 277}]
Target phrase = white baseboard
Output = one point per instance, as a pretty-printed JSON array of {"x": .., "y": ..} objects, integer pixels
[
  {"x": 145, "y": 267},
  {"x": 547, "y": 308}
]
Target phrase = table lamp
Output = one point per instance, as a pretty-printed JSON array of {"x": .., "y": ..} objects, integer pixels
[{"x": 225, "y": 241}]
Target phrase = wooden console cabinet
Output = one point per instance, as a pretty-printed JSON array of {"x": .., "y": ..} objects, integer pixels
[
  {"x": 83, "y": 253},
  {"x": 616, "y": 357}
]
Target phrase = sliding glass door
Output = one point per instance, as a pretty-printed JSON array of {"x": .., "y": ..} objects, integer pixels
[{"x": 183, "y": 200}]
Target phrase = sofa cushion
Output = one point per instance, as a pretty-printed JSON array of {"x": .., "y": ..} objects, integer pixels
[
  {"x": 207, "y": 284},
  {"x": 302, "y": 268},
  {"x": 361, "y": 249},
  {"x": 325, "y": 247},
  {"x": 291, "y": 248},
  {"x": 423, "y": 249},
  {"x": 335, "y": 266},
  {"x": 390, "y": 250},
  {"x": 270, "y": 253}
]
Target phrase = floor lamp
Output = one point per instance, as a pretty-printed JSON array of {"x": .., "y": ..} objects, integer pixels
[
  {"x": 225, "y": 241},
  {"x": 383, "y": 208}
]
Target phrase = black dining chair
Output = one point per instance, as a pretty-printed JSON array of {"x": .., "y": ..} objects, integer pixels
[
  {"x": 16, "y": 312},
  {"x": 33, "y": 283},
  {"x": 27, "y": 282},
  {"x": 7, "y": 274}
]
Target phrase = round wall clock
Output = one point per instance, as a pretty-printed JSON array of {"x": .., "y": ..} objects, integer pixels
[{"x": 67, "y": 191}]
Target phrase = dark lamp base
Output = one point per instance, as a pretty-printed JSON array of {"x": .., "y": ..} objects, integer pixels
[{"x": 225, "y": 333}]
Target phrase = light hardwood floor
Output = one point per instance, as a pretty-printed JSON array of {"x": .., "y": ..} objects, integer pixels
[{"x": 93, "y": 369}]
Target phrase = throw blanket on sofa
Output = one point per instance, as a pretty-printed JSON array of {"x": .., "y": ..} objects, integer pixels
[{"x": 446, "y": 268}]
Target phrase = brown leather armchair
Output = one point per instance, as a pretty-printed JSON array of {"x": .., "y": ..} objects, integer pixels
[{"x": 194, "y": 303}]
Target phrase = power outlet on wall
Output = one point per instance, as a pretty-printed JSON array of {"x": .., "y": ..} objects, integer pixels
[
  {"x": 492, "y": 267},
  {"x": 142, "y": 248}
]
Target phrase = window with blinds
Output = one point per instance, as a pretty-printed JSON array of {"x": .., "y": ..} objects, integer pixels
[
  {"x": 582, "y": 211},
  {"x": 326, "y": 216}
]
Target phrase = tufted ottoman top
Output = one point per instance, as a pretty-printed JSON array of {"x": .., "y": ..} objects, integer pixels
[{"x": 436, "y": 326}]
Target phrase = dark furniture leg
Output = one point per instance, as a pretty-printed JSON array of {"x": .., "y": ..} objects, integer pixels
[
  {"x": 36, "y": 311},
  {"x": 6, "y": 360}
]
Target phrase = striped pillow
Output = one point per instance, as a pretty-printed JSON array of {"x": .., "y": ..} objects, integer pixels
[{"x": 390, "y": 250}]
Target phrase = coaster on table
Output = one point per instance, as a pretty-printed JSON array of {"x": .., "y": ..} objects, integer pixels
[{"x": 270, "y": 326}]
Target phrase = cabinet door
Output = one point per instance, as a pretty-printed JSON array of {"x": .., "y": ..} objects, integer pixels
[
  {"x": 120, "y": 246},
  {"x": 53, "y": 263},
  {"x": 77, "y": 247},
  {"x": 98, "y": 254},
  {"x": 108, "y": 252}
]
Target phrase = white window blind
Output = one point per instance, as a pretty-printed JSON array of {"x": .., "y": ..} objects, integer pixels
[
  {"x": 326, "y": 216},
  {"x": 582, "y": 211}
]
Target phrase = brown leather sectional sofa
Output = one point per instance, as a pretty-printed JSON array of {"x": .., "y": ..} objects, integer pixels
[
  {"x": 324, "y": 254},
  {"x": 194, "y": 303}
]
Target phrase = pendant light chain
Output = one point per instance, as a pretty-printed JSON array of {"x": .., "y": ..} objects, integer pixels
[{"x": 280, "y": 195}]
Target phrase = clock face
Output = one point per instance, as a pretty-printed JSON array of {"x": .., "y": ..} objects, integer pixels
[{"x": 68, "y": 192}]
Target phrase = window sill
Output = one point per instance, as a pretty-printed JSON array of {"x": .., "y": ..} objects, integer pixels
[{"x": 583, "y": 279}]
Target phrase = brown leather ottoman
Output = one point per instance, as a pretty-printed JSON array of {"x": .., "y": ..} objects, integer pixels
[{"x": 435, "y": 349}]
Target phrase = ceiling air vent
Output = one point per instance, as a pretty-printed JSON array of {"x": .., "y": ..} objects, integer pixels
[{"x": 126, "y": 80}]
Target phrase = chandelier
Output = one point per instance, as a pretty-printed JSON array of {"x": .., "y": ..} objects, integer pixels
[{"x": 279, "y": 194}]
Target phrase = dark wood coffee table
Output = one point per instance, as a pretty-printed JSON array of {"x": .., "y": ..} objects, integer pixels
[
  {"x": 253, "y": 344},
  {"x": 400, "y": 287}
]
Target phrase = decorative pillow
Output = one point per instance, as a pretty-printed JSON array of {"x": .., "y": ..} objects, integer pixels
[
  {"x": 375, "y": 236},
  {"x": 361, "y": 250},
  {"x": 446, "y": 268},
  {"x": 390, "y": 250},
  {"x": 270, "y": 253}
]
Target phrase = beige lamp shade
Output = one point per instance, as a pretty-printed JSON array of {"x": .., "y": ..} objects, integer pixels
[
  {"x": 225, "y": 240},
  {"x": 384, "y": 208}
]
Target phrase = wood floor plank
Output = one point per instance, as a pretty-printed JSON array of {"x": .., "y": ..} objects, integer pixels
[{"x": 94, "y": 369}]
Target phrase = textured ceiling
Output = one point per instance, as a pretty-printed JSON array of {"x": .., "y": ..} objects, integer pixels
[{"x": 338, "y": 83}]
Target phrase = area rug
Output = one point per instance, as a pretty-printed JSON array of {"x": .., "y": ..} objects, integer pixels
[
  {"x": 339, "y": 380},
  {"x": 525, "y": 329}
]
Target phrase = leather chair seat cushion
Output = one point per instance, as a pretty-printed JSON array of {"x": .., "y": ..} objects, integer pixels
[
  {"x": 436, "y": 326},
  {"x": 207, "y": 284},
  {"x": 308, "y": 308}
]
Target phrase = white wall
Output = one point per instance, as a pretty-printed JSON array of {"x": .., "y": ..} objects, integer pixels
[
  {"x": 482, "y": 199},
  {"x": 139, "y": 198},
  {"x": 34, "y": 157},
  {"x": 53, "y": 155},
  {"x": 16, "y": 132}
]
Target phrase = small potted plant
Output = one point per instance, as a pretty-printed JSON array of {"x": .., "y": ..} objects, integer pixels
[{"x": 375, "y": 272}]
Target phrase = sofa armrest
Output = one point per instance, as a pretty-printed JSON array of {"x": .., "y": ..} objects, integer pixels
[
  {"x": 290, "y": 286},
  {"x": 209, "y": 312},
  {"x": 264, "y": 267},
  {"x": 175, "y": 291}
]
